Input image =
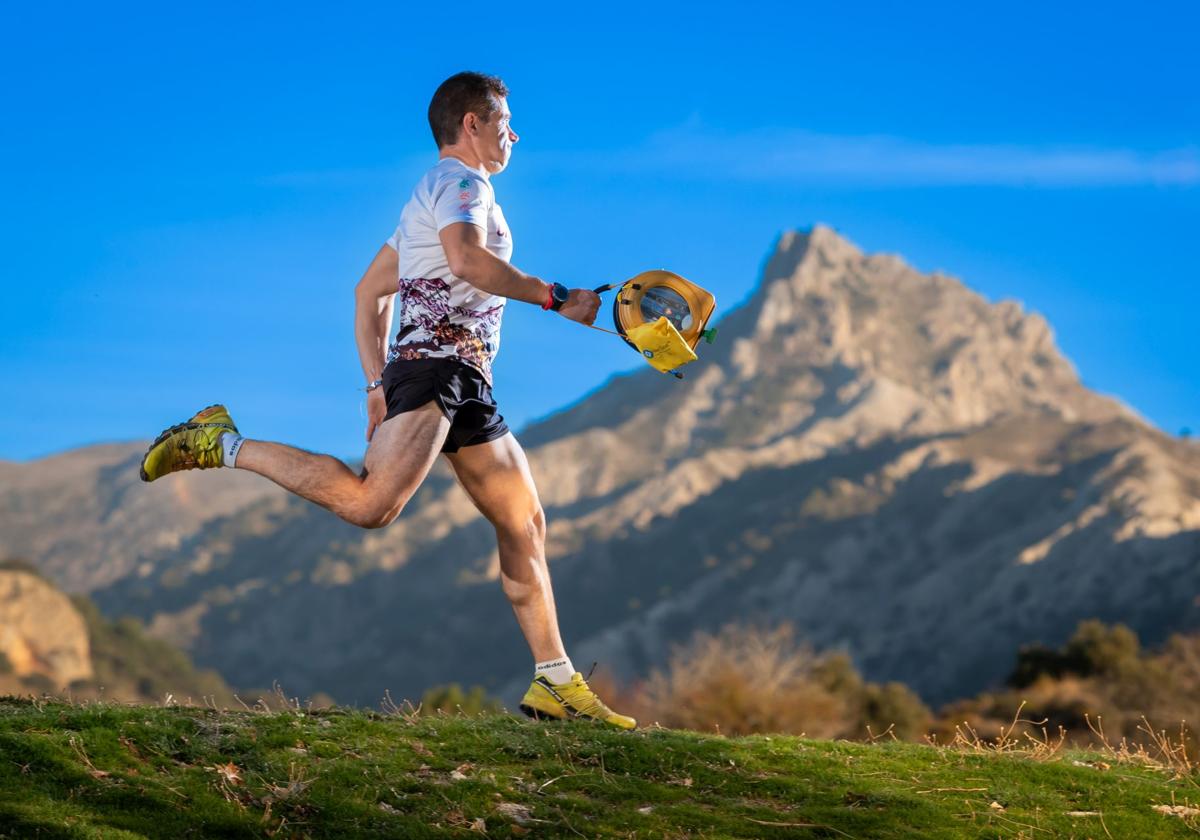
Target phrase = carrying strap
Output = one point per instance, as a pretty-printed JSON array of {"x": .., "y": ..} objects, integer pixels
[{"x": 601, "y": 290}]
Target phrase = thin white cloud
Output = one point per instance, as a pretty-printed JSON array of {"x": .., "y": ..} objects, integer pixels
[
  {"x": 797, "y": 156},
  {"x": 692, "y": 152}
]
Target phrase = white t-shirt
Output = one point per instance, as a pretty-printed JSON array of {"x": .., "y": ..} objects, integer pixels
[{"x": 439, "y": 315}]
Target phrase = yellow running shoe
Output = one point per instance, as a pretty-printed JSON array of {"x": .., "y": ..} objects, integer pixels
[
  {"x": 194, "y": 445},
  {"x": 574, "y": 699}
]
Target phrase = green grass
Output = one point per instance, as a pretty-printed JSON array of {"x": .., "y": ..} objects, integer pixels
[{"x": 110, "y": 771}]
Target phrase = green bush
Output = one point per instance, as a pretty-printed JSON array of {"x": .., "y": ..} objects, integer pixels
[
  {"x": 1099, "y": 650},
  {"x": 894, "y": 705},
  {"x": 1095, "y": 649}
]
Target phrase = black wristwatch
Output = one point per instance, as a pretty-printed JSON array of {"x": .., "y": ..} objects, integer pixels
[{"x": 558, "y": 296}]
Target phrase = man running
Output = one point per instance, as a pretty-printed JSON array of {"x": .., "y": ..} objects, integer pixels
[{"x": 430, "y": 390}]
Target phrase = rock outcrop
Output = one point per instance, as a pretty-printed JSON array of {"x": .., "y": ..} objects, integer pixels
[{"x": 41, "y": 632}]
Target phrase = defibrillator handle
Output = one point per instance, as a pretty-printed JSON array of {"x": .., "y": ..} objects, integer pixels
[{"x": 602, "y": 289}]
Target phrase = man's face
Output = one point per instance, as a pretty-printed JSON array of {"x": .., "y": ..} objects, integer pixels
[{"x": 496, "y": 138}]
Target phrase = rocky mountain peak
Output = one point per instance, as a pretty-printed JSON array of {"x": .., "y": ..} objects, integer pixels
[{"x": 823, "y": 304}]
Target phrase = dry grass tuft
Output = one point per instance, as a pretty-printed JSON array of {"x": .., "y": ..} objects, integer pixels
[
  {"x": 1014, "y": 738},
  {"x": 1156, "y": 748}
]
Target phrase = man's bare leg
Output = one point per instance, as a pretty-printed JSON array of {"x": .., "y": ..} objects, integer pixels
[
  {"x": 399, "y": 457},
  {"x": 497, "y": 478}
]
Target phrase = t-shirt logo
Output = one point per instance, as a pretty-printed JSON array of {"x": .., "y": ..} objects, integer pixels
[{"x": 464, "y": 183}]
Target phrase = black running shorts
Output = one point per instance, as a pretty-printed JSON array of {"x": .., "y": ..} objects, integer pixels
[{"x": 459, "y": 390}]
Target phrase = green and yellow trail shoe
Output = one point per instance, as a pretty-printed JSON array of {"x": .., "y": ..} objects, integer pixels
[
  {"x": 574, "y": 699},
  {"x": 194, "y": 445}
]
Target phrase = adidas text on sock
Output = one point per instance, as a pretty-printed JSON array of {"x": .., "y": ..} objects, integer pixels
[{"x": 558, "y": 671}]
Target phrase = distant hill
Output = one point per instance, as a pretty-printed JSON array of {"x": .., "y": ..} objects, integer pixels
[{"x": 880, "y": 457}]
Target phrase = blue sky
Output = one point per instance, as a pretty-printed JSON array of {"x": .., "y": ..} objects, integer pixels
[{"x": 191, "y": 194}]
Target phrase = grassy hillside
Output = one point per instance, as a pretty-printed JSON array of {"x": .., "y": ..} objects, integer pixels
[{"x": 101, "y": 770}]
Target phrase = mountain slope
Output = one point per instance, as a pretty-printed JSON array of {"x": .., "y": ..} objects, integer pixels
[{"x": 86, "y": 518}]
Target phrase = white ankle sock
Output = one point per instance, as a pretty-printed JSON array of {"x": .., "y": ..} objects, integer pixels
[
  {"x": 231, "y": 442},
  {"x": 558, "y": 671}
]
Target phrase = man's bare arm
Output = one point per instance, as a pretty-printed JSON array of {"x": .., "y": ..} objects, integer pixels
[
  {"x": 373, "y": 297},
  {"x": 469, "y": 258}
]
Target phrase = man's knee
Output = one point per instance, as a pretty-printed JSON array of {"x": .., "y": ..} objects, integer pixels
[
  {"x": 536, "y": 525},
  {"x": 374, "y": 514},
  {"x": 529, "y": 524}
]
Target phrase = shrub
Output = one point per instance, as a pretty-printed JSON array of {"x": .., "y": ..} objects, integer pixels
[
  {"x": 893, "y": 705},
  {"x": 1099, "y": 650},
  {"x": 1100, "y": 679},
  {"x": 1095, "y": 649},
  {"x": 743, "y": 681}
]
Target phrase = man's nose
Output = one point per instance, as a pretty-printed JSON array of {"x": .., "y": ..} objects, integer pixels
[{"x": 512, "y": 135}]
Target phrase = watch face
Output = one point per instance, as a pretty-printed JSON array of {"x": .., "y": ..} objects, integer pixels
[{"x": 561, "y": 293}]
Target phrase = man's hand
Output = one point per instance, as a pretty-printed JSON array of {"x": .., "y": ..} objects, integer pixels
[
  {"x": 581, "y": 306},
  {"x": 376, "y": 410}
]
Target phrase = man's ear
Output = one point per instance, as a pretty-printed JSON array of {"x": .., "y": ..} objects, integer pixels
[{"x": 470, "y": 123}]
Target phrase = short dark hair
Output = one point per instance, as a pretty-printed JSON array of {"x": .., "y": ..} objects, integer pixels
[{"x": 462, "y": 94}]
